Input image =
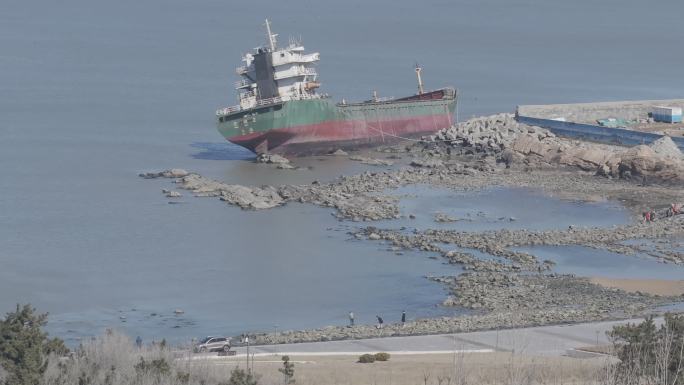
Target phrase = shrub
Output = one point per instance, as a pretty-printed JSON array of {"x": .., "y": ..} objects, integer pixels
[
  {"x": 650, "y": 354},
  {"x": 287, "y": 370},
  {"x": 24, "y": 347},
  {"x": 367, "y": 358},
  {"x": 382, "y": 356},
  {"x": 156, "y": 368},
  {"x": 241, "y": 377}
]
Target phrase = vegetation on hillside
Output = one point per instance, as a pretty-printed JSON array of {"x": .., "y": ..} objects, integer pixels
[{"x": 644, "y": 354}]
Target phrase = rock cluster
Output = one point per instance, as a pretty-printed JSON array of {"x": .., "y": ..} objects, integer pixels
[
  {"x": 666, "y": 147},
  {"x": 339, "y": 152},
  {"x": 498, "y": 242},
  {"x": 172, "y": 173},
  {"x": 243, "y": 196},
  {"x": 444, "y": 218},
  {"x": 502, "y": 137},
  {"x": 271, "y": 159},
  {"x": 172, "y": 194},
  {"x": 489, "y": 135},
  {"x": 371, "y": 161},
  {"x": 639, "y": 161},
  {"x": 503, "y": 292}
]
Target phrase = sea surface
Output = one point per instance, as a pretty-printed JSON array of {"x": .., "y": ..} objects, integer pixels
[{"x": 92, "y": 93}]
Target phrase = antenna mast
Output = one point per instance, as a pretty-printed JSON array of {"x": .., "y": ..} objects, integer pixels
[{"x": 271, "y": 37}]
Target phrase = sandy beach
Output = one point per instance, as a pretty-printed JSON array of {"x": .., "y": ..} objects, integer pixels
[{"x": 650, "y": 286}]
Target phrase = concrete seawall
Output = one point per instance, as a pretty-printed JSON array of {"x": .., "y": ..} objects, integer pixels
[{"x": 579, "y": 119}]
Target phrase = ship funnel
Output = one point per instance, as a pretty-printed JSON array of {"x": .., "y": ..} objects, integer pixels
[{"x": 420, "y": 80}]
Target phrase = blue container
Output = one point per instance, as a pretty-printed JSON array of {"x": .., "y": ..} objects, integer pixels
[{"x": 667, "y": 114}]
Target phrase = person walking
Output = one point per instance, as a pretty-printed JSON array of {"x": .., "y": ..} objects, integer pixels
[
  {"x": 351, "y": 318},
  {"x": 380, "y": 321},
  {"x": 403, "y": 317}
]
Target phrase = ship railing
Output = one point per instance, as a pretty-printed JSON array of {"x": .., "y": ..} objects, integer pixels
[
  {"x": 242, "y": 83},
  {"x": 228, "y": 110},
  {"x": 308, "y": 58},
  {"x": 384, "y": 99},
  {"x": 296, "y": 71},
  {"x": 297, "y": 58},
  {"x": 246, "y": 95},
  {"x": 241, "y": 70},
  {"x": 268, "y": 102}
]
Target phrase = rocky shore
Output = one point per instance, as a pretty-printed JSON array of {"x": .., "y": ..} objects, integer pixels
[{"x": 513, "y": 289}]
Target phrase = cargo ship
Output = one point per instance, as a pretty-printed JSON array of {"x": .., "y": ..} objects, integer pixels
[{"x": 280, "y": 110}]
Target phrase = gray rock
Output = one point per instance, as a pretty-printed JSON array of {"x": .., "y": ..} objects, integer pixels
[
  {"x": 271, "y": 159},
  {"x": 339, "y": 152}
]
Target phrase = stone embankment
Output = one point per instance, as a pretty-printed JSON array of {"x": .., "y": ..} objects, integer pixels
[
  {"x": 503, "y": 137},
  {"x": 470, "y": 322}
]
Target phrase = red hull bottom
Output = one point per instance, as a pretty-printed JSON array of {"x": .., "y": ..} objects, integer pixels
[{"x": 326, "y": 137}]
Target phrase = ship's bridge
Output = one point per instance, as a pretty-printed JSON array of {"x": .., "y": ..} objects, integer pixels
[{"x": 270, "y": 73}]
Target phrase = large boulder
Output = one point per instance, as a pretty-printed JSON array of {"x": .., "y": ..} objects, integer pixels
[
  {"x": 587, "y": 159},
  {"x": 530, "y": 144},
  {"x": 271, "y": 159},
  {"x": 638, "y": 160}
]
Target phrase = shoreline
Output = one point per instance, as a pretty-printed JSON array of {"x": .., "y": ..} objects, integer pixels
[{"x": 518, "y": 290}]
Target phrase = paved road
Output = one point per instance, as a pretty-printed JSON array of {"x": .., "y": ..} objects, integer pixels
[{"x": 543, "y": 340}]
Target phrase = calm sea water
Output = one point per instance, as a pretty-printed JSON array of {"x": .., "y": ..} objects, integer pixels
[{"x": 93, "y": 93}]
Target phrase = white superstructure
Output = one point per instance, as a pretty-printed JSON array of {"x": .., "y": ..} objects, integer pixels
[{"x": 272, "y": 74}]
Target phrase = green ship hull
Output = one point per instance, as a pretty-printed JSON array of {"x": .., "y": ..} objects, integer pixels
[{"x": 319, "y": 125}]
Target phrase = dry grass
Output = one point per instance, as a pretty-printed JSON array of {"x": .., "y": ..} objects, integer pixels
[
  {"x": 112, "y": 359},
  {"x": 421, "y": 369}
]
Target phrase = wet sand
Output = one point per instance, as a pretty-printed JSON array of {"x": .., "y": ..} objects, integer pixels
[{"x": 651, "y": 286}]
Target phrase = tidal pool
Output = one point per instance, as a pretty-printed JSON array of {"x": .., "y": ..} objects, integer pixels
[
  {"x": 499, "y": 208},
  {"x": 589, "y": 262}
]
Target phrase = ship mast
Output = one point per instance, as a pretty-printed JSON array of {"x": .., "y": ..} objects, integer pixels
[
  {"x": 271, "y": 37},
  {"x": 420, "y": 80}
]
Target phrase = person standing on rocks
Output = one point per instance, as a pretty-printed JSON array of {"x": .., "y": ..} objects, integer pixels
[
  {"x": 138, "y": 342},
  {"x": 403, "y": 317},
  {"x": 351, "y": 318},
  {"x": 380, "y": 321}
]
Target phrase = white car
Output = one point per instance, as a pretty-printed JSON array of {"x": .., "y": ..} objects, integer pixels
[{"x": 213, "y": 344}]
